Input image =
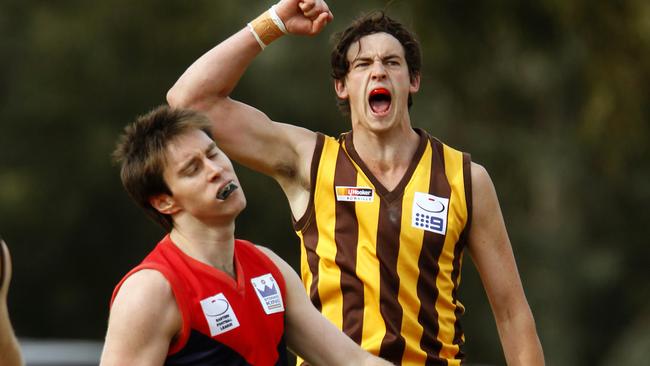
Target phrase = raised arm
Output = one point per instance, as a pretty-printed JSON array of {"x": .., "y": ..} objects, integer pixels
[
  {"x": 143, "y": 320},
  {"x": 246, "y": 134},
  {"x": 310, "y": 335},
  {"x": 492, "y": 254},
  {"x": 9, "y": 349}
]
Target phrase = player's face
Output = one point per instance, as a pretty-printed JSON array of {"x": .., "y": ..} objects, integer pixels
[
  {"x": 378, "y": 83},
  {"x": 202, "y": 179}
]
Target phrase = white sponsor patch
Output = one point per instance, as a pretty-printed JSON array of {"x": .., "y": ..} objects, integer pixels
[
  {"x": 430, "y": 213},
  {"x": 356, "y": 194},
  {"x": 268, "y": 291},
  {"x": 219, "y": 314}
]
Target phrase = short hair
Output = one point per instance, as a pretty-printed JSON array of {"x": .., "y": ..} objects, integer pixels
[
  {"x": 371, "y": 23},
  {"x": 141, "y": 154}
]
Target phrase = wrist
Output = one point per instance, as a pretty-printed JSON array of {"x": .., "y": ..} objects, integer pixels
[{"x": 267, "y": 27}]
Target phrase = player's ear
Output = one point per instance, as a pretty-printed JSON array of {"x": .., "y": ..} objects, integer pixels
[
  {"x": 341, "y": 89},
  {"x": 415, "y": 84},
  {"x": 164, "y": 203}
]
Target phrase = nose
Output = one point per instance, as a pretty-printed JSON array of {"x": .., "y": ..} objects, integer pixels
[
  {"x": 213, "y": 169},
  {"x": 378, "y": 71}
]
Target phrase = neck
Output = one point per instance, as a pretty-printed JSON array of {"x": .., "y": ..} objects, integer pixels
[
  {"x": 213, "y": 246},
  {"x": 388, "y": 155}
]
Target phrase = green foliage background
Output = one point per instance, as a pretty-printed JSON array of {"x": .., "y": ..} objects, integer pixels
[{"x": 552, "y": 97}]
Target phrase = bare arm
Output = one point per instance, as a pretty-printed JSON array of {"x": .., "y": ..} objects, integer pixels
[
  {"x": 309, "y": 334},
  {"x": 9, "y": 348},
  {"x": 492, "y": 254},
  {"x": 143, "y": 320},
  {"x": 246, "y": 134}
]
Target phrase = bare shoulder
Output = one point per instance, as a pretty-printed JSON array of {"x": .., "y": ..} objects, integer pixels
[
  {"x": 145, "y": 301},
  {"x": 144, "y": 292},
  {"x": 290, "y": 276},
  {"x": 273, "y": 257},
  {"x": 480, "y": 176},
  {"x": 148, "y": 281},
  {"x": 484, "y": 195}
]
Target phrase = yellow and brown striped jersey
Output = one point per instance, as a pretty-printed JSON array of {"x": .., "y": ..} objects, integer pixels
[{"x": 384, "y": 266}]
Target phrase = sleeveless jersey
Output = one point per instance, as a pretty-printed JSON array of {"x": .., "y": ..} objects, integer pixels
[
  {"x": 226, "y": 321},
  {"x": 384, "y": 266}
]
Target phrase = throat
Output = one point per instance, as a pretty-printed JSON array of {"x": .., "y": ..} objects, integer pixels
[
  {"x": 389, "y": 157},
  {"x": 389, "y": 176}
]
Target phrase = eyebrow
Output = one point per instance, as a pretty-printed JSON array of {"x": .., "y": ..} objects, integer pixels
[
  {"x": 194, "y": 158},
  {"x": 384, "y": 58}
]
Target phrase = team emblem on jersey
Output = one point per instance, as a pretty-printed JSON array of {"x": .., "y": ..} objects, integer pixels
[
  {"x": 219, "y": 314},
  {"x": 354, "y": 194},
  {"x": 268, "y": 292},
  {"x": 430, "y": 213}
]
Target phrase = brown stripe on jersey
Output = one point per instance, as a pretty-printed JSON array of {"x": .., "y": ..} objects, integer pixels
[
  {"x": 428, "y": 264},
  {"x": 346, "y": 236},
  {"x": 462, "y": 243},
  {"x": 307, "y": 224},
  {"x": 388, "y": 231}
]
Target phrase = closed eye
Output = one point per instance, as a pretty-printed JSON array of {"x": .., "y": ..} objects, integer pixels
[
  {"x": 212, "y": 151},
  {"x": 191, "y": 169}
]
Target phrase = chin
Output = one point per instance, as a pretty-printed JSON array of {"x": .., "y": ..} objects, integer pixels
[{"x": 242, "y": 206}]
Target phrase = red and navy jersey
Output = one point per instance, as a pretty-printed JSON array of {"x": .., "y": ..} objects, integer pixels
[{"x": 226, "y": 321}]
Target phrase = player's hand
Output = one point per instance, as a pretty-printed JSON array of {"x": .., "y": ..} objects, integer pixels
[
  {"x": 304, "y": 17},
  {"x": 5, "y": 270}
]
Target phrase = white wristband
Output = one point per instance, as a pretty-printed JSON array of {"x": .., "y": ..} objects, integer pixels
[
  {"x": 276, "y": 19},
  {"x": 257, "y": 37}
]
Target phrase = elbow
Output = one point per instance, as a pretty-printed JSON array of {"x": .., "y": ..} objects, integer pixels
[
  {"x": 181, "y": 98},
  {"x": 177, "y": 99}
]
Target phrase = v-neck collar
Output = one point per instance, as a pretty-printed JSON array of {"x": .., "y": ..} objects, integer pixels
[
  {"x": 236, "y": 283},
  {"x": 382, "y": 191}
]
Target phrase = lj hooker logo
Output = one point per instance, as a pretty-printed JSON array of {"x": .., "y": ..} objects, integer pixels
[{"x": 354, "y": 194}]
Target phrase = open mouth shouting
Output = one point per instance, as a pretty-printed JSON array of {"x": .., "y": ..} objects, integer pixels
[
  {"x": 226, "y": 190},
  {"x": 379, "y": 101}
]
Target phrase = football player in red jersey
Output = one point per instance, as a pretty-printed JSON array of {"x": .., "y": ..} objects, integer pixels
[{"x": 203, "y": 297}]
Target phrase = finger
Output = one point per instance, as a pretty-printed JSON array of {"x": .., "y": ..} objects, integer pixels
[
  {"x": 320, "y": 22},
  {"x": 312, "y": 14},
  {"x": 323, "y": 7},
  {"x": 330, "y": 16},
  {"x": 306, "y": 6},
  {"x": 319, "y": 8}
]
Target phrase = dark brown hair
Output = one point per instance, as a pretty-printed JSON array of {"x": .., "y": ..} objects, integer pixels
[
  {"x": 141, "y": 153},
  {"x": 374, "y": 22}
]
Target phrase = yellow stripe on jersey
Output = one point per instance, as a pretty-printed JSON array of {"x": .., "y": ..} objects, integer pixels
[
  {"x": 305, "y": 273},
  {"x": 329, "y": 273},
  {"x": 407, "y": 264}
]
